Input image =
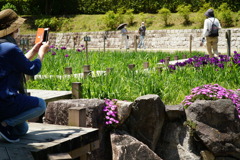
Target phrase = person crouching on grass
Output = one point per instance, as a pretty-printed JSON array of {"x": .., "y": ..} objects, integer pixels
[{"x": 16, "y": 107}]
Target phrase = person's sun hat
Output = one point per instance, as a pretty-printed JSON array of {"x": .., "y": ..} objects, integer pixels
[
  {"x": 9, "y": 22},
  {"x": 209, "y": 13}
]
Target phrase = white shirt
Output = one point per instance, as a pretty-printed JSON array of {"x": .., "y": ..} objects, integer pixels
[{"x": 208, "y": 25}]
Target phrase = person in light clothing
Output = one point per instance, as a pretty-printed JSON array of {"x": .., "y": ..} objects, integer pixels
[
  {"x": 211, "y": 41},
  {"x": 125, "y": 37}
]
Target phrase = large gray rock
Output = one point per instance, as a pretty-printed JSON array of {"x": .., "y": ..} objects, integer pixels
[
  {"x": 124, "y": 109},
  {"x": 175, "y": 112},
  {"x": 57, "y": 111},
  {"x": 176, "y": 143},
  {"x": 146, "y": 119},
  {"x": 217, "y": 125},
  {"x": 126, "y": 147}
]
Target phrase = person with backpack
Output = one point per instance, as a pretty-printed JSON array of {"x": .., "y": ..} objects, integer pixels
[
  {"x": 16, "y": 107},
  {"x": 210, "y": 33},
  {"x": 142, "y": 31}
]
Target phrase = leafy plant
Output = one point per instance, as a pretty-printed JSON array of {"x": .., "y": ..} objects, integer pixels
[
  {"x": 165, "y": 15},
  {"x": 54, "y": 23},
  {"x": 225, "y": 15},
  {"x": 112, "y": 19},
  {"x": 129, "y": 16},
  {"x": 9, "y": 6},
  {"x": 184, "y": 11}
]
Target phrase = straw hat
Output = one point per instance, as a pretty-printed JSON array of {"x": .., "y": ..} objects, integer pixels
[{"x": 9, "y": 22}]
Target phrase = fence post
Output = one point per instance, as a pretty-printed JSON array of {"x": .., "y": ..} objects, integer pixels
[
  {"x": 145, "y": 65},
  {"x": 109, "y": 70},
  {"x": 77, "y": 116},
  {"x": 135, "y": 42},
  {"x": 131, "y": 66},
  {"x": 175, "y": 58},
  {"x": 86, "y": 68},
  {"x": 228, "y": 37},
  {"x": 190, "y": 45},
  {"x": 68, "y": 70},
  {"x": 76, "y": 90}
]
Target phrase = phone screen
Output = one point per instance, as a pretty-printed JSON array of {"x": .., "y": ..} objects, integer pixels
[{"x": 45, "y": 35}]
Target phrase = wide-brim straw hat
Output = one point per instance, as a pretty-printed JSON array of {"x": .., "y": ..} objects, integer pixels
[{"x": 9, "y": 22}]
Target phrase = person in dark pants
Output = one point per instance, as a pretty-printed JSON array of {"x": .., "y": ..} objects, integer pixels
[
  {"x": 16, "y": 107},
  {"x": 142, "y": 32}
]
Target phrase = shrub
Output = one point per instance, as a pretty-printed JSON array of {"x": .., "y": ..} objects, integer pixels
[
  {"x": 200, "y": 15},
  {"x": 184, "y": 11},
  {"x": 225, "y": 15},
  {"x": 9, "y": 6},
  {"x": 112, "y": 19},
  {"x": 143, "y": 17},
  {"x": 129, "y": 16},
  {"x": 55, "y": 24},
  {"x": 165, "y": 15}
]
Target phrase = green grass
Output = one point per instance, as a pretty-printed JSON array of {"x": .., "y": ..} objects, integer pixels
[{"x": 125, "y": 84}]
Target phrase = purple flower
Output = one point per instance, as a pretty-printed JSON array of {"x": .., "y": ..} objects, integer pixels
[
  {"x": 110, "y": 111},
  {"x": 63, "y": 48},
  {"x": 235, "y": 52},
  {"x": 212, "y": 92},
  {"x": 53, "y": 53},
  {"x": 79, "y": 50},
  {"x": 66, "y": 55},
  {"x": 162, "y": 61},
  {"x": 52, "y": 46}
]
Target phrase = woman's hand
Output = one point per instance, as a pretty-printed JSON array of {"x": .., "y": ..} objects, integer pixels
[
  {"x": 44, "y": 48},
  {"x": 33, "y": 51}
]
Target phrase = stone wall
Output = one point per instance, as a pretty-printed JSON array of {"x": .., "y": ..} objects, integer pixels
[{"x": 155, "y": 39}]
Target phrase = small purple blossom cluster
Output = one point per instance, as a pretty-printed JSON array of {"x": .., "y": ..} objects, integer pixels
[
  {"x": 197, "y": 61},
  {"x": 212, "y": 92},
  {"x": 80, "y": 49},
  {"x": 110, "y": 111}
]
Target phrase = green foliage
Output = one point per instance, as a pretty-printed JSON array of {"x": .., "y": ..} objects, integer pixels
[
  {"x": 225, "y": 15},
  {"x": 237, "y": 18},
  {"x": 129, "y": 17},
  {"x": 54, "y": 23},
  {"x": 110, "y": 20},
  {"x": 184, "y": 11},
  {"x": 9, "y": 6},
  {"x": 200, "y": 17},
  {"x": 142, "y": 17},
  {"x": 165, "y": 15}
]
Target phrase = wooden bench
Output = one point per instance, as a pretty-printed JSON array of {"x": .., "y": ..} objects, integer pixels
[{"x": 51, "y": 142}]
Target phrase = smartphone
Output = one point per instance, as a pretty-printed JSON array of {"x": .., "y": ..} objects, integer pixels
[
  {"x": 42, "y": 35},
  {"x": 45, "y": 34}
]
